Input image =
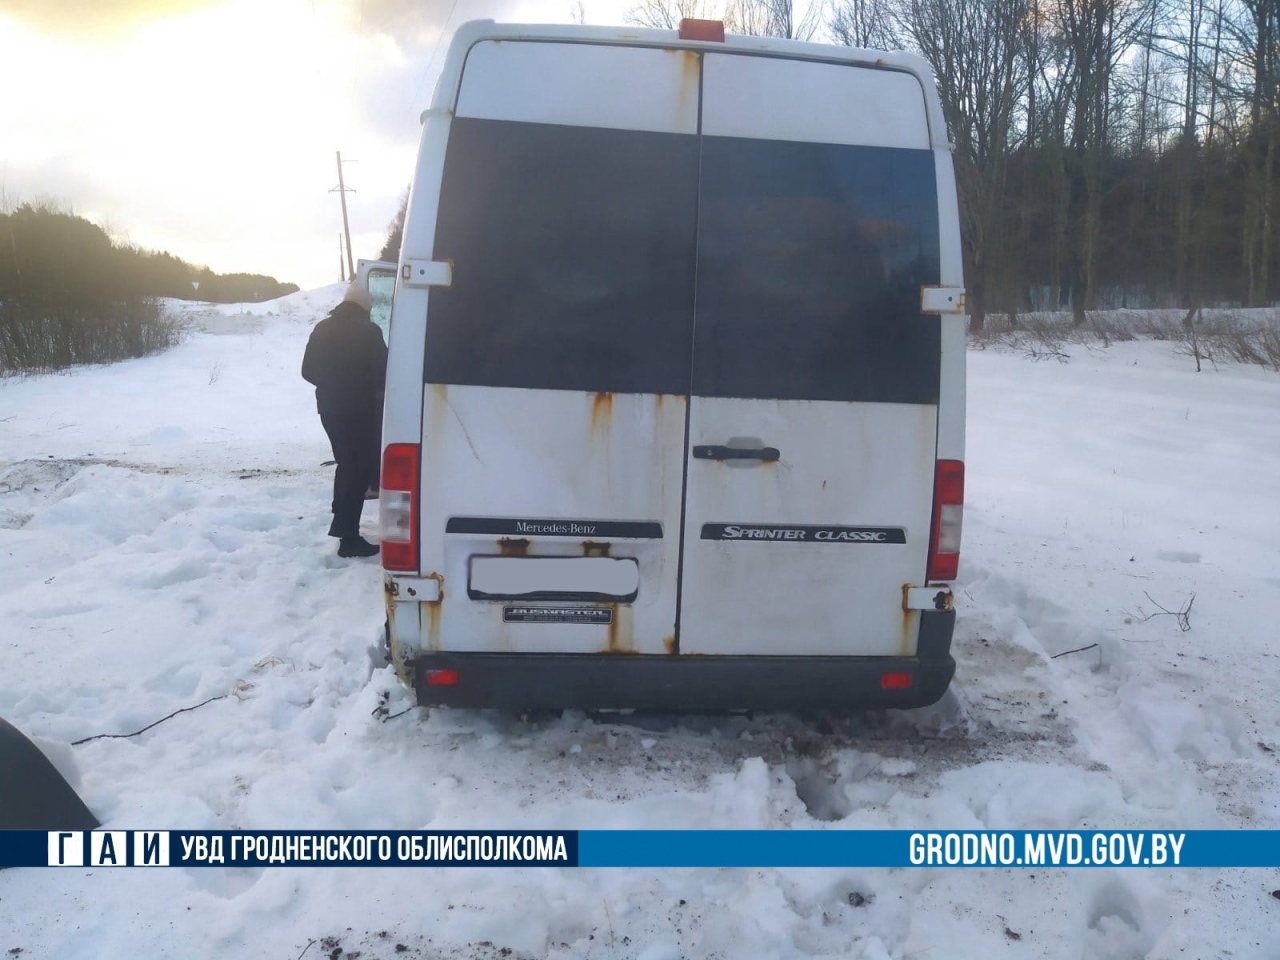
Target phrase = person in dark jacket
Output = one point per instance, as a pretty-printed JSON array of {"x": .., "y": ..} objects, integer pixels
[{"x": 346, "y": 359}]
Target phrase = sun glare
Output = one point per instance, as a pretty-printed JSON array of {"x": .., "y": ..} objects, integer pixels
[{"x": 212, "y": 133}]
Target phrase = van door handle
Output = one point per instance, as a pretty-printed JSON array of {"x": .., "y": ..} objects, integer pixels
[{"x": 735, "y": 453}]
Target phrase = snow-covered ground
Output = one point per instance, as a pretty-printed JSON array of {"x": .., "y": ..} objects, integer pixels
[{"x": 162, "y": 541}]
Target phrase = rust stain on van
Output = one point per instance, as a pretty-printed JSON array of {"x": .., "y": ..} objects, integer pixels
[
  {"x": 591, "y": 548},
  {"x": 910, "y": 626},
  {"x": 601, "y": 412},
  {"x": 431, "y": 612},
  {"x": 502, "y": 642},
  {"x": 389, "y": 601},
  {"x": 433, "y": 433},
  {"x": 690, "y": 71},
  {"x": 660, "y": 400},
  {"x": 944, "y": 599},
  {"x": 669, "y": 643},
  {"x": 620, "y": 639},
  {"x": 690, "y": 75},
  {"x": 513, "y": 546},
  {"x": 910, "y": 632}
]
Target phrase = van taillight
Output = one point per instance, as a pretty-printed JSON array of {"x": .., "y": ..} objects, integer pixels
[
  {"x": 948, "y": 512},
  {"x": 712, "y": 30},
  {"x": 398, "y": 507}
]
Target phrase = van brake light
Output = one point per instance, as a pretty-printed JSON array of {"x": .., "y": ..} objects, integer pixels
[
  {"x": 398, "y": 507},
  {"x": 948, "y": 514},
  {"x": 711, "y": 30}
]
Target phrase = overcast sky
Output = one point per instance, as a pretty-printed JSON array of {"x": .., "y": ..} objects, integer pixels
[{"x": 207, "y": 128}]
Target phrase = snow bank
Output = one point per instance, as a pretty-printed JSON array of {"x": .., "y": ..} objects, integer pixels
[{"x": 162, "y": 542}]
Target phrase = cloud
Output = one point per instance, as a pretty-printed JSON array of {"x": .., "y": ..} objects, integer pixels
[
  {"x": 412, "y": 24},
  {"x": 97, "y": 19}
]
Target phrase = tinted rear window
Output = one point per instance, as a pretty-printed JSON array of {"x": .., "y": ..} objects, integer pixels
[
  {"x": 573, "y": 252},
  {"x": 810, "y": 263}
]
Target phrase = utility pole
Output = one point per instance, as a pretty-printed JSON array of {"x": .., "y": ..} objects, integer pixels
[
  {"x": 342, "y": 191},
  {"x": 342, "y": 267}
]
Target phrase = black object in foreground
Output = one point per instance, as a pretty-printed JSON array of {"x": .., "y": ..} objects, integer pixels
[{"x": 33, "y": 794}]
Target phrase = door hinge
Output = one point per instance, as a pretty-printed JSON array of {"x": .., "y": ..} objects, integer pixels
[
  {"x": 412, "y": 589},
  {"x": 427, "y": 273},
  {"x": 942, "y": 299},
  {"x": 937, "y": 597}
]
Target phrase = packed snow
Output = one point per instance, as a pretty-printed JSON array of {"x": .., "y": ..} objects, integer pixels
[{"x": 162, "y": 542}]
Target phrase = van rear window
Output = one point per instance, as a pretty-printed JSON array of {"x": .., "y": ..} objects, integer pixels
[
  {"x": 573, "y": 251},
  {"x": 810, "y": 263}
]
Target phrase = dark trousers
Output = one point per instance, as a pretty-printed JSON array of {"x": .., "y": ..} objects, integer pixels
[{"x": 356, "y": 438}]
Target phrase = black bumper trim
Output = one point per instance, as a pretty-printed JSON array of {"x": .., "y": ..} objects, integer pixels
[{"x": 681, "y": 682}]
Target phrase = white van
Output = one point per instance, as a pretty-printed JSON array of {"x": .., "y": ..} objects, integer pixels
[{"x": 675, "y": 396}]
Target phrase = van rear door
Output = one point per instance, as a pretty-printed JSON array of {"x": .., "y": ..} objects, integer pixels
[
  {"x": 557, "y": 362},
  {"x": 813, "y": 416}
]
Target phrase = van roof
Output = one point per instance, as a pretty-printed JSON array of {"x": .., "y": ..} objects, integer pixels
[{"x": 475, "y": 31}]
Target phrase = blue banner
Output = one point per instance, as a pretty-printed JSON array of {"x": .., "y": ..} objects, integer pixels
[
  {"x": 641, "y": 848},
  {"x": 928, "y": 848}
]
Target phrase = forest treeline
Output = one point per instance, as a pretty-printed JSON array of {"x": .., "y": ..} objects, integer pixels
[
  {"x": 1109, "y": 153},
  {"x": 70, "y": 294}
]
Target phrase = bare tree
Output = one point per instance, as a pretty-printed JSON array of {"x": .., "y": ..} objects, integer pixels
[
  {"x": 977, "y": 51},
  {"x": 1098, "y": 34},
  {"x": 1256, "y": 29},
  {"x": 667, "y": 14},
  {"x": 774, "y": 18},
  {"x": 862, "y": 23}
]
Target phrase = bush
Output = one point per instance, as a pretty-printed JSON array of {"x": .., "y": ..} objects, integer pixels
[
  {"x": 1242, "y": 336},
  {"x": 69, "y": 295},
  {"x": 52, "y": 337},
  {"x": 1231, "y": 337}
]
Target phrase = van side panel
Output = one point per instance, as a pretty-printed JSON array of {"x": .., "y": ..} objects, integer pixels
[
  {"x": 855, "y": 469},
  {"x": 577, "y": 460},
  {"x": 818, "y": 226},
  {"x": 556, "y": 365}
]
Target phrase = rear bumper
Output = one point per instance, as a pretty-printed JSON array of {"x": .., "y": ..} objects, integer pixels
[{"x": 680, "y": 683}]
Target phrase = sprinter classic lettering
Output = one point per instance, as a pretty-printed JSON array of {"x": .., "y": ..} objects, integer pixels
[{"x": 739, "y": 531}]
